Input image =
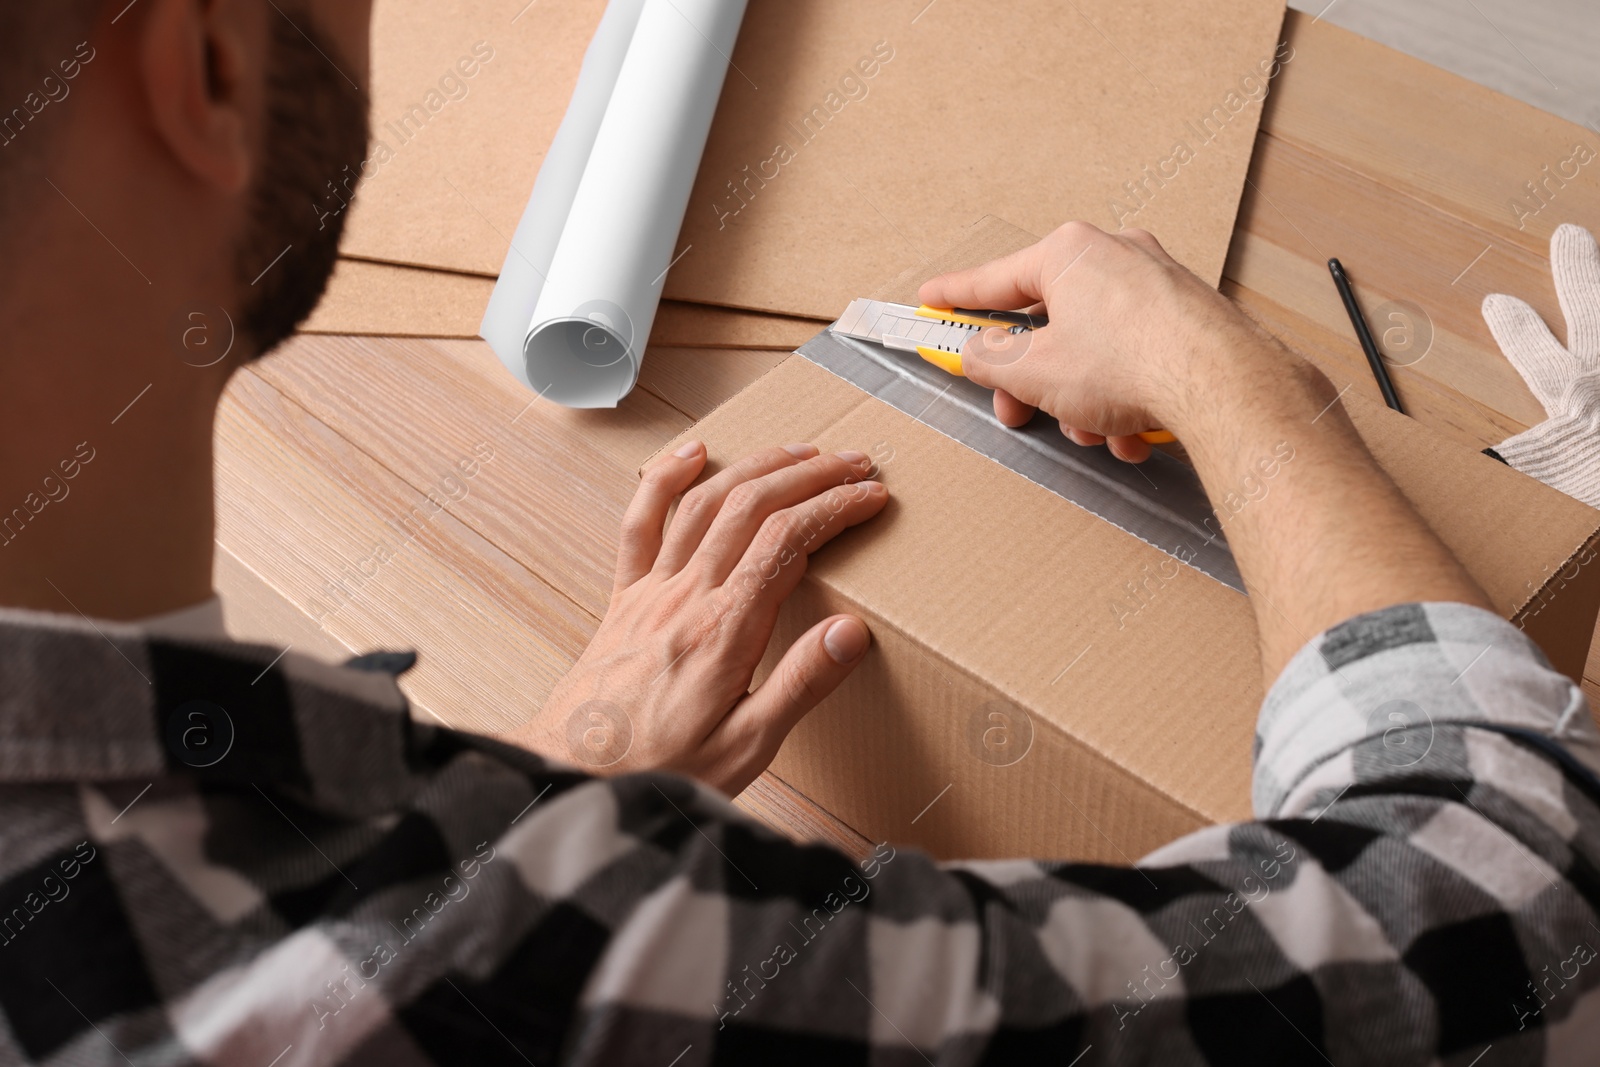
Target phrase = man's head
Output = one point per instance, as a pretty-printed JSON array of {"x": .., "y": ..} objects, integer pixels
[
  {"x": 28, "y": 34},
  {"x": 174, "y": 177},
  {"x": 245, "y": 121},
  {"x": 314, "y": 143}
]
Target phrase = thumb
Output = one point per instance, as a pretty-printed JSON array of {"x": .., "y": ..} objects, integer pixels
[
  {"x": 993, "y": 358},
  {"x": 812, "y": 668},
  {"x": 1530, "y": 346}
]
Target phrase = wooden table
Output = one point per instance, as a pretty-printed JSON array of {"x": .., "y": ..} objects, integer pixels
[{"x": 403, "y": 493}]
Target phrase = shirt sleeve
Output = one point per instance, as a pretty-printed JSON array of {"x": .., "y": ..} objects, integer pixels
[{"x": 1420, "y": 885}]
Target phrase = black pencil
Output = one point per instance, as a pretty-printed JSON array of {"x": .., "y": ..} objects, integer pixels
[{"x": 1364, "y": 335}]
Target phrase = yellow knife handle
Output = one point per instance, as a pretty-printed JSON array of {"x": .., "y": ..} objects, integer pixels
[
  {"x": 1003, "y": 319},
  {"x": 950, "y": 363}
]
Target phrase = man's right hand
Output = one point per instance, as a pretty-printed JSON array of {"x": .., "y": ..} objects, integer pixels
[{"x": 1127, "y": 323}]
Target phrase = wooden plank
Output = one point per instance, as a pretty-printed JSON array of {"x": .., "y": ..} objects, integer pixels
[
  {"x": 554, "y": 494},
  {"x": 555, "y": 497},
  {"x": 1542, "y": 54},
  {"x": 1401, "y": 202},
  {"x": 258, "y": 612},
  {"x": 255, "y": 611},
  {"x": 372, "y": 562},
  {"x": 1450, "y": 413},
  {"x": 627, "y": 434},
  {"x": 788, "y": 811},
  {"x": 1461, "y": 385},
  {"x": 1396, "y": 248},
  {"x": 1465, "y": 149}
]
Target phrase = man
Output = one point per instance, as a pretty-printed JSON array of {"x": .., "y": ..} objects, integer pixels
[{"x": 337, "y": 884}]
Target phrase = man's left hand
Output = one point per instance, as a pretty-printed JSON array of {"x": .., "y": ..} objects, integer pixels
[{"x": 665, "y": 683}]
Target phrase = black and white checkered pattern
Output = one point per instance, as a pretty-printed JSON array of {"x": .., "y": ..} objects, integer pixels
[{"x": 205, "y": 863}]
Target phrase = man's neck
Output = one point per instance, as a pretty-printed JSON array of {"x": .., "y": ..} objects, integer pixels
[
  {"x": 107, "y": 519},
  {"x": 105, "y": 441}
]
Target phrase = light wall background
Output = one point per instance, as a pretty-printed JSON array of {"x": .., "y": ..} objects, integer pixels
[{"x": 1546, "y": 52}]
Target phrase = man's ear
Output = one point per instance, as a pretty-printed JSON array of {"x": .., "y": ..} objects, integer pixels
[{"x": 201, "y": 68}]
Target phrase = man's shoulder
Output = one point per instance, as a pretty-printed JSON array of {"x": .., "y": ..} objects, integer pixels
[{"x": 199, "y": 829}]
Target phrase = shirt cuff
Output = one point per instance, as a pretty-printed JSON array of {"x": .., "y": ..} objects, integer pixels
[{"x": 1396, "y": 677}]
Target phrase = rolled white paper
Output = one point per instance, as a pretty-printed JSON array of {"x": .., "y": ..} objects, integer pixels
[{"x": 581, "y": 282}]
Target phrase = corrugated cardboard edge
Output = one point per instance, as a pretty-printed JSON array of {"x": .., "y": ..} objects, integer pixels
[
  {"x": 1562, "y": 633},
  {"x": 1128, "y": 815},
  {"x": 369, "y": 298},
  {"x": 1564, "y": 621}
]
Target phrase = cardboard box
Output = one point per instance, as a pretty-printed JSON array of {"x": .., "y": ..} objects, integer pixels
[{"x": 1044, "y": 684}]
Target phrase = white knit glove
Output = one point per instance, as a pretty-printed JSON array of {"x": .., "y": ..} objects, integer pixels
[{"x": 1564, "y": 450}]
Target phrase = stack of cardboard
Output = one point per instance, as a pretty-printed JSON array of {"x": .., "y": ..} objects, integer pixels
[{"x": 853, "y": 139}]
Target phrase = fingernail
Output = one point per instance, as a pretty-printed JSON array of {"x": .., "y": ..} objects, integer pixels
[
  {"x": 801, "y": 451},
  {"x": 874, "y": 487},
  {"x": 852, "y": 457},
  {"x": 845, "y": 640},
  {"x": 689, "y": 450}
]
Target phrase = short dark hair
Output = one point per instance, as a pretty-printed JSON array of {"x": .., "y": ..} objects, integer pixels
[{"x": 42, "y": 48}]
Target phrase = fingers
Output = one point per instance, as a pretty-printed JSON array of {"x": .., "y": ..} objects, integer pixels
[
  {"x": 997, "y": 360},
  {"x": 1011, "y": 411},
  {"x": 1083, "y": 438},
  {"x": 1024, "y": 277},
  {"x": 1530, "y": 346},
  {"x": 812, "y": 668},
  {"x": 702, "y": 503},
  {"x": 1008, "y": 282},
  {"x": 1128, "y": 448},
  {"x": 776, "y": 559},
  {"x": 749, "y": 505},
  {"x": 1575, "y": 263},
  {"x": 646, "y": 516},
  {"x": 1132, "y": 449},
  {"x": 1025, "y": 380}
]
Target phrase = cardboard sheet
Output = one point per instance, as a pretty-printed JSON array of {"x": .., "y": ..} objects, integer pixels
[
  {"x": 381, "y": 299},
  {"x": 466, "y": 97},
  {"x": 853, "y": 138}
]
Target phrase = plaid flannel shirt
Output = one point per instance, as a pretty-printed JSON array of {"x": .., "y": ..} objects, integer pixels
[{"x": 210, "y": 858}]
